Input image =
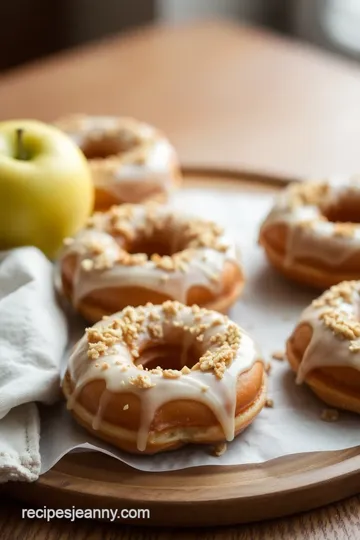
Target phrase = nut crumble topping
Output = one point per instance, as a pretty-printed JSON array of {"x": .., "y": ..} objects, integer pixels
[
  {"x": 344, "y": 230},
  {"x": 171, "y": 308},
  {"x": 96, "y": 350},
  {"x": 311, "y": 223},
  {"x": 219, "y": 449},
  {"x": 320, "y": 195},
  {"x": 156, "y": 371},
  {"x": 219, "y": 359},
  {"x": 142, "y": 381},
  {"x": 156, "y": 331},
  {"x": 278, "y": 355},
  {"x": 127, "y": 327},
  {"x": 87, "y": 265},
  {"x": 337, "y": 294},
  {"x": 185, "y": 370},
  {"x": 308, "y": 193},
  {"x": 171, "y": 373},
  {"x": 354, "y": 346},
  {"x": 341, "y": 324},
  {"x": 120, "y": 222}
]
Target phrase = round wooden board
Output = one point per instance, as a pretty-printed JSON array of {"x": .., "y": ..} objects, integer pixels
[{"x": 201, "y": 496}]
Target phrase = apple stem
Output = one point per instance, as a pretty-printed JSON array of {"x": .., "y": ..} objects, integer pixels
[{"x": 20, "y": 154}]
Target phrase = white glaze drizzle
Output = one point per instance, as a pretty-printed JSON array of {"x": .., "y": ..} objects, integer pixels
[
  {"x": 203, "y": 268},
  {"x": 104, "y": 400},
  {"x": 219, "y": 395},
  {"x": 326, "y": 348},
  {"x": 318, "y": 241},
  {"x": 136, "y": 174}
]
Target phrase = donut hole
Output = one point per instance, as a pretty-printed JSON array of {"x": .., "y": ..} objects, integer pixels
[
  {"x": 108, "y": 146},
  {"x": 168, "y": 356},
  {"x": 344, "y": 211},
  {"x": 161, "y": 243}
]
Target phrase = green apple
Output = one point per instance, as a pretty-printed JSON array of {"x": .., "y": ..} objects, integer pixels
[{"x": 46, "y": 192}]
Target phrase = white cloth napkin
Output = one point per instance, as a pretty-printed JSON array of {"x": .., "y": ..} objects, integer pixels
[{"x": 33, "y": 337}]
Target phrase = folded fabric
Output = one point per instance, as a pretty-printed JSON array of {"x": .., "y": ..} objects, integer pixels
[
  {"x": 33, "y": 337},
  {"x": 19, "y": 444}
]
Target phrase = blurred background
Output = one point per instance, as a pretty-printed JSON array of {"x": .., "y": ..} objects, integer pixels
[{"x": 37, "y": 28}]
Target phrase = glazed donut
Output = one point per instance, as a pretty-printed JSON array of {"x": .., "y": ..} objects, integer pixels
[
  {"x": 312, "y": 235},
  {"x": 210, "y": 386},
  {"x": 135, "y": 254},
  {"x": 324, "y": 349},
  {"x": 130, "y": 161}
]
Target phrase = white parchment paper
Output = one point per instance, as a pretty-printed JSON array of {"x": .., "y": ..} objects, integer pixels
[{"x": 268, "y": 309}]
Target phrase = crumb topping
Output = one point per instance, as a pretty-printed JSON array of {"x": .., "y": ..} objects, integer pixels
[
  {"x": 87, "y": 265},
  {"x": 156, "y": 371},
  {"x": 126, "y": 224},
  {"x": 96, "y": 350},
  {"x": 318, "y": 194},
  {"x": 142, "y": 381},
  {"x": 337, "y": 294},
  {"x": 185, "y": 370},
  {"x": 219, "y": 358},
  {"x": 171, "y": 373},
  {"x": 344, "y": 230},
  {"x": 354, "y": 346},
  {"x": 126, "y": 330},
  {"x": 155, "y": 331},
  {"x": 308, "y": 193},
  {"x": 311, "y": 223},
  {"x": 341, "y": 324},
  {"x": 126, "y": 132},
  {"x": 219, "y": 449},
  {"x": 171, "y": 308},
  {"x": 278, "y": 355},
  {"x": 269, "y": 403}
]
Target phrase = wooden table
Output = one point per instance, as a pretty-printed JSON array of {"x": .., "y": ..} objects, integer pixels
[
  {"x": 335, "y": 522},
  {"x": 228, "y": 97}
]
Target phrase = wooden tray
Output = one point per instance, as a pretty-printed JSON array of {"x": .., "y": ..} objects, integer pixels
[{"x": 202, "y": 495}]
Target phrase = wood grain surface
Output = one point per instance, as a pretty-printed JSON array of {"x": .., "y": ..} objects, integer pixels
[
  {"x": 226, "y": 95},
  {"x": 220, "y": 495},
  {"x": 337, "y": 522}
]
